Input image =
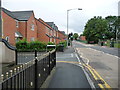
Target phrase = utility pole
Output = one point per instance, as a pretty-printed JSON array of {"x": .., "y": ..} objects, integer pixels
[{"x": 0, "y": 22}]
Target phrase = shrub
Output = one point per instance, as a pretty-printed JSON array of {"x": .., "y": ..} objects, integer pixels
[
  {"x": 51, "y": 43},
  {"x": 63, "y": 43},
  {"x": 23, "y": 45}
]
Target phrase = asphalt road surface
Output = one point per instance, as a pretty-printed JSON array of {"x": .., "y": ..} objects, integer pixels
[
  {"x": 68, "y": 73},
  {"x": 112, "y": 51},
  {"x": 103, "y": 59}
]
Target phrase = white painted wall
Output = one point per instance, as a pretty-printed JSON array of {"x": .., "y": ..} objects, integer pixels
[{"x": 6, "y": 55}]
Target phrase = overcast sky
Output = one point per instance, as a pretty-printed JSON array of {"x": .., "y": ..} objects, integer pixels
[{"x": 56, "y": 11}]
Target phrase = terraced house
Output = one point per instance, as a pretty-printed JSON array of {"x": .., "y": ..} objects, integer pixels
[
  {"x": 19, "y": 25},
  {"x": 23, "y": 25}
]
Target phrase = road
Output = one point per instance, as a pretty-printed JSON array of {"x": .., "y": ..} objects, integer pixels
[
  {"x": 103, "y": 59},
  {"x": 112, "y": 51},
  {"x": 68, "y": 72}
]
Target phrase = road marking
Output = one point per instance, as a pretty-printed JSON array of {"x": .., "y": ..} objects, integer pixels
[
  {"x": 94, "y": 73},
  {"x": 72, "y": 55},
  {"x": 104, "y": 52},
  {"x": 68, "y": 62},
  {"x": 101, "y": 86},
  {"x": 87, "y": 60},
  {"x": 86, "y": 74},
  {"x": 98, "y": 75},
  {"x": 107, "y": 86}
]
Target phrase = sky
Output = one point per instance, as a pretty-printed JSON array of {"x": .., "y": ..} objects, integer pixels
[{"x": 56, "y": 11}]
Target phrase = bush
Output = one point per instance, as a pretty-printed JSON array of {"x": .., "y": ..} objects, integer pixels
[
  {"x": 37, "y": 45},
  {"x": 50, "y": 43},
  {"x": 23, "y": 45},
  {"x": 64, "y": 43}
]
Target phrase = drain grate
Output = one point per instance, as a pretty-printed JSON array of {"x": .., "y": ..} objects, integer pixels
[{"x": 100, "y": 81}]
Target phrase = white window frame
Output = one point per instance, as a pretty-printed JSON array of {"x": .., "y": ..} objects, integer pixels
[
  {"x": 32, "y": 27},
  {"x": 17, "y": 23},
  {"x": 50, "y": 39},
  {"x": 32, "y": 39}
]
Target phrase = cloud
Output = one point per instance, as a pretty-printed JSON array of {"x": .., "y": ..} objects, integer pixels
[{"x": 56, "y": 10}]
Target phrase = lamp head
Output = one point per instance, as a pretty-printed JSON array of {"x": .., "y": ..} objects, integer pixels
[{"x": 79, "y": 8}]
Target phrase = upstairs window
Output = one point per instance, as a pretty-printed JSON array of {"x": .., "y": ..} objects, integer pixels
[
  {"x": 17, "y": 24},
  {"x": 32, "y": 27}
]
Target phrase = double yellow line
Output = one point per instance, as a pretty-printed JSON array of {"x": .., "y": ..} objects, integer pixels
[
  {"x": 96, "y": 76},
  {"x": 94, "y": 73}
]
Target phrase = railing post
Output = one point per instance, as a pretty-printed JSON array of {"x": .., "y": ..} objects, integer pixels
[
  {"x": 55, "y": 58},
  {"x": 16, "y": 60},
  {"x": 36, "y": 76},
  {"x": 49, "y": 62}
]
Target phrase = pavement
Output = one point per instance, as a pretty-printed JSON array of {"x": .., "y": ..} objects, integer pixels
[{"x": 68, "y": 72}]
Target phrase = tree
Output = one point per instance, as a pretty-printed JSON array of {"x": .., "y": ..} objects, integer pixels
[
  {"x": 75, "y": 36},
  {"x": 112, "y": 26},
  {"x": 95, "y": 29}
]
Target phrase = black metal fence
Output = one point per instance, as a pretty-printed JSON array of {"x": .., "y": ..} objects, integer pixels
[{"x": 31, "y": 74}]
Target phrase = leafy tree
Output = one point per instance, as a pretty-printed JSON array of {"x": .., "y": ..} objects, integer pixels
[
  {"x": 95, "y": 29},
  {"x": 112, "y": 26},
  {"x": 117, "y": 29},
  {"x": 75, "y": 36}
]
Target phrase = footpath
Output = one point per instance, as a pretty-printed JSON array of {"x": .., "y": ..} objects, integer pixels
[{"x": 68, "y": 72}]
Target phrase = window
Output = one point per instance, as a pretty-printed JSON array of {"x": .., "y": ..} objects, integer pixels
[
  {"x": 32, "y": 27},
  {"x": 50, "y": 39},
  {"x": 17, "y": 39},
  {"x": 17, "y": 24},
  {"x": 32, "y": 39},
  {"x": 7, "y": 38}
]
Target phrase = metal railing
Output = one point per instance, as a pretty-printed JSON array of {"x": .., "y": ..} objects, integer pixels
[{"x": 31, "y": 74}]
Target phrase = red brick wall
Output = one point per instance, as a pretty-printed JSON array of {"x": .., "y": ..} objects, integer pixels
[
  {"x": 25, "y": 28},
  {"x": 22, "y": 28},
  {"x": 82, "y": 38},
  {"x": 31, "y": 33},
  {"x": 42, "y": 31},
  {"x": 9, "y": 28}
]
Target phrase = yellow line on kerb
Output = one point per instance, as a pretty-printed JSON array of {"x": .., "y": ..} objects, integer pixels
[
  {"x": 101, "y": 86},
  {"x": 94, "y": 74},
  {"x": 106, "y": 85}
]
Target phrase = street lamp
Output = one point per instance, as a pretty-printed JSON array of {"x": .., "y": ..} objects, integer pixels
[{"x": 68, "y": 18}]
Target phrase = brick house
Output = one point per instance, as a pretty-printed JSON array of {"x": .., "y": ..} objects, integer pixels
[
  {"x": 18, "y": 25},
  {"x": 43, "y": 31},
  {"x": 26, "y": 24},
  {"x": 8, "y": 26},
  {"x": 54, "y": 33},
  {"x": 62, "y": 36},
  {"x": 23, "y": 24}
]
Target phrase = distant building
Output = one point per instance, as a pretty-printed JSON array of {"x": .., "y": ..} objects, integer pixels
[{"x": 83, "y": 38}]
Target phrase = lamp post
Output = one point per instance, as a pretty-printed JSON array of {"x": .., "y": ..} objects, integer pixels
[
  {"x": 0, "y": 24},
  {"x": 68, "y": 21}
]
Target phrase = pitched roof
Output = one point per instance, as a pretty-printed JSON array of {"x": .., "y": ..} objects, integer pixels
[
  {"x": 8, "y": 13},
  {"x": 52, "y": 25},
  {"x": 19, "y": 15},
  {"x": 22, "y": 15}
]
